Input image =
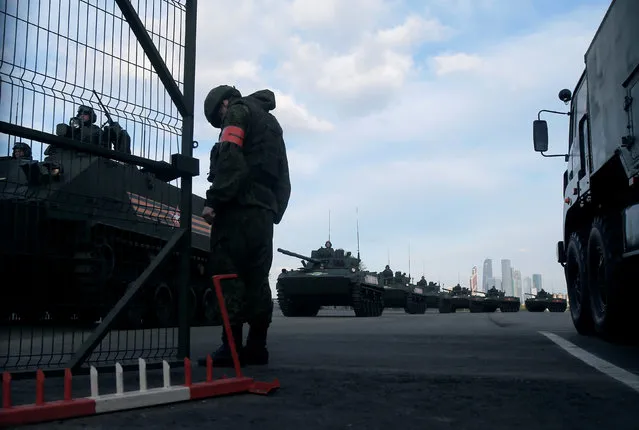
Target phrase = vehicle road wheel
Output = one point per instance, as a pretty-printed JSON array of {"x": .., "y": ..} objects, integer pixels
[
  {"x": 576, "y": 280},
  {"x": 610, "y": 309}
]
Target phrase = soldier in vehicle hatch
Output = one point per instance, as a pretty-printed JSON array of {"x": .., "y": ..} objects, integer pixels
[
  {"x": 249, "y": 193},
  {"x": 21, "y": 151},
  {"x": 422, "y": 282},
  {"x": 387, "y": 273},
  {"x": 82, "y": 127},
  {"x": 327, "y": 250}
]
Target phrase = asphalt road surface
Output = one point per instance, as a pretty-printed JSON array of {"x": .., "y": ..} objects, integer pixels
[{"x": 432, "y": 371}]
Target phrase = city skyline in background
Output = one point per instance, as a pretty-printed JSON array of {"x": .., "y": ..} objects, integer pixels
[{"x": 510, "y": 280}]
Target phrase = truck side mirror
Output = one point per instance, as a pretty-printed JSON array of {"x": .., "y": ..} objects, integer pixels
[{"x": 540, "y": 135}]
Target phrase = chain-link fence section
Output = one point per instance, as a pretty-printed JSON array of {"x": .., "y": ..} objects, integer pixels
[{"x": 101, "y": 258}]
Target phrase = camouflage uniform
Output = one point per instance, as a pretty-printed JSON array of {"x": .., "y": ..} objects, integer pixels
[
  {"x": 82, "y": 127},
  {"x": 249, "y": 193},
  {"x": 387, "y": 275}
]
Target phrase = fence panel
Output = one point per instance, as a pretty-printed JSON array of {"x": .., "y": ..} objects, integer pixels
[{"x": 101, "y": 257}]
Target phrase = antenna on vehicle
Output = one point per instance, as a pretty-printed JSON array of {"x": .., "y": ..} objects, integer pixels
[
  {"x": 408, "y": 261},
  {"x": 357, "y": 223},
  {"x": 388, "y": 255},
  {"x": 329, "y": 225}
]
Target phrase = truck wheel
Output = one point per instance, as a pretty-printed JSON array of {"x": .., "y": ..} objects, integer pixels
[
  {"x": 576, "y": 281},
  {"x": 605, "y": 280}
]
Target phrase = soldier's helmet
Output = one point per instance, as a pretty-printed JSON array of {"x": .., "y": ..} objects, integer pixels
[
  {"x": 21, "y": 150},
  {"x": 387, "y": 267},
  {"x": 87, "y": 114},
  {"x": 328, "y": 244},
  {"x": 214, "y": 100}
]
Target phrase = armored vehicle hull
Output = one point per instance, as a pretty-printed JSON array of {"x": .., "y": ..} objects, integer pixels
[
  {"x": 81, "y": 228},
  {"x": 409, "y": 298},
  {"x": 455, "y": 298},
  {"x": 448, "y": 304},
  {"x": 302, "y": 292},
  {"x": 540, "y": 305},
  {"x": 432, "y": 299},
  {"x": 510, "y": 304},
  {"x": 477, "y": 304}
]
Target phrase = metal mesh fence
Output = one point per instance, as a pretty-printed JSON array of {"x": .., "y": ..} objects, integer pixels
[{"x": 91, "y": 201}]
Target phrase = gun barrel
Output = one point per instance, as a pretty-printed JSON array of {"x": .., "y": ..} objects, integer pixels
[
  {"x": 106, "y": 112},
  {"x": 300, "y": 256}
]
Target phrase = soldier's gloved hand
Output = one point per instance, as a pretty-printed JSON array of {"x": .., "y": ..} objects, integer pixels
[
  {"x": 115, "y": 127},
  {"x": 208, "y": 214}
]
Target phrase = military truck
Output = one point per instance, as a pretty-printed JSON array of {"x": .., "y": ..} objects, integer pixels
[
  {"x": 544, "y": 300},
  {"x": 600, "y": 244},
  {"x": 328, "y": 278},
  {"x": 456, "y": 298},
  {"x": 399, "y": 293}
]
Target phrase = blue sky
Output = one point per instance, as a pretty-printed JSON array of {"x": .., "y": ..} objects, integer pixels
[{"x": 417, "y": 113}]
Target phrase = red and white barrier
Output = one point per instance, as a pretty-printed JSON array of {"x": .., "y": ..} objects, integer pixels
[{"x": 121, "y": 400}]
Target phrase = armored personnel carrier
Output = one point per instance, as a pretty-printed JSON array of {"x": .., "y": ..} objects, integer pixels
[
  {"x": 510, "y": 304},
  {"x": 544, "y": 300},
  {"x": 328, "y": 278},
  {"x": 79, "y": 228},
  {"x": 431, "y": 291},
  {"x": 399, "y": 293},
  {"x": 477, "y": 302},
  {"x": 456, "y": 298}
]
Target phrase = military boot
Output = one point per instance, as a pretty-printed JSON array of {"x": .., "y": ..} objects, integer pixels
[
  {"x": 222, "y": 356},
  {"x": 255, "y": 352}
]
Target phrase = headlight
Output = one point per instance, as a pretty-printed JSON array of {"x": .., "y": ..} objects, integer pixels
[{"x": 353, "y": 269}]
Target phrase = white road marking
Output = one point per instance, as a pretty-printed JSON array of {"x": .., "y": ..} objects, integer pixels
[{"x": 627, "y": 378}]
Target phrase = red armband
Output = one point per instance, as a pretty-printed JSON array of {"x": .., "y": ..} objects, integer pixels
[{"x": 233, "y": 134}]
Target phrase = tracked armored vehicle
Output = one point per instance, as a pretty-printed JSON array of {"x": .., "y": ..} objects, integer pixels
[
  {"x": 328, "y": 278},
  {"x": 510, "y": 304},
  {"x": 599, "y": 248},
  {"x": 78, "y": 228},
  {"x": 431, "y": 291},
  {"x": 477, "y": 302},
  {"x": 492, "y": 300},
  {"x": 453, "y": 299},
  {"x": 399, "y": 293},
  {"x": 544, "y": 300}
]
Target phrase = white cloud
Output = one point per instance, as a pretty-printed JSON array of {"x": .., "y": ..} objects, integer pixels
[
  {"x": 460, "y": 62},
  {"x": 415, "y": 142}
]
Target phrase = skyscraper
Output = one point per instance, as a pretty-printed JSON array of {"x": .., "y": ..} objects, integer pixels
[
  {"x": 527, "y": 285},
  {"x": 473, "y": 279},
  {"x": 517, "y": 287},
  {"x": 536, "y": 282},
  {"x": 497, "y": 283},
  {"x": 487, "y": 273},
  {"x": 507, "y": 277}
]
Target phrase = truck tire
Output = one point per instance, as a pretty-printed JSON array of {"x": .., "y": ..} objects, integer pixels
[
  {"x": 609, "y": 307},
  {"x": 576, "y": 282}
]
